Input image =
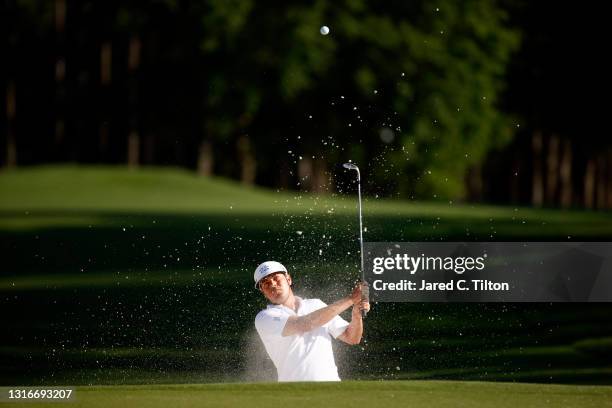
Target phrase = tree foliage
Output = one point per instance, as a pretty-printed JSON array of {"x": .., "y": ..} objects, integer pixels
[
  {"x": 403, "y": 88},
  {"x": 431, "y": 75}
]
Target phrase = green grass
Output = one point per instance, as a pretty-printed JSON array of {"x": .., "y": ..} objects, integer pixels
[
  {"x": 117, "y": 189},
  {"x": 105, "y": 280},
  {"x": 71, "y": 196},
  {"x": 388, "y": 394},
  {"x": 112, "y": 276}
]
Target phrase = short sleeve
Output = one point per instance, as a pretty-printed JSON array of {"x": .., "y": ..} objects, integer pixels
[
  {"x": 270, "y": 322},
  {"x": 335, "y": 326}
]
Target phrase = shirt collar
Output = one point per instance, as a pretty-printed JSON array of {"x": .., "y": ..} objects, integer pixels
[{"x": 299, "y": 300}]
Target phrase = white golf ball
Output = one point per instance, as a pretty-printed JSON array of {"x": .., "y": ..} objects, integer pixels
[{"x": 324, "y": 30}]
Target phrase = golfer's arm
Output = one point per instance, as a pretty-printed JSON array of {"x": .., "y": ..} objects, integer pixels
[
  {"x": 306, "y": 323},
  {"x": 354, "y": 331}
]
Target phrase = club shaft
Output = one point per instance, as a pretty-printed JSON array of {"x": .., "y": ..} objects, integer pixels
[
  {"x": 365, "y": 291},
  {"x": 360, "y": 225},
  {"x": 365, "y": 295}
]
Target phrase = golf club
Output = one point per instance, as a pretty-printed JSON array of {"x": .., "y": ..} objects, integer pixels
[{"x": 365, "y": 290}]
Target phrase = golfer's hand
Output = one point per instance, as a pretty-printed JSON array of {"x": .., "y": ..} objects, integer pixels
[
  {"x": 356, "y": 295},
  {"x": 362, "y": 305}
]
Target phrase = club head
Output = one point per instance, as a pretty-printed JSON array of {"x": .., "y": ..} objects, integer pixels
[{"x": 350, "y": 166}]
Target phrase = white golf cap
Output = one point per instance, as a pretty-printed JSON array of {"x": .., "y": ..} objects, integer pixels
[{"x": 267, "y": 268}]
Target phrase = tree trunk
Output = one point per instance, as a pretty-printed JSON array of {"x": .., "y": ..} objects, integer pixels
[
  {"x": 11, "y": 113},
  {"x": 285, "y": 174},
  {"x": 134, "y": 132},
  {"x": 474, "y": 183},
  {"x": 589, "y": 184},
  {"x": 515, "y": 185},
  {"x": 106, "y": 57},
  {"x": 106, "y": 63},
  {"x": 60, "y": 71},
  {"x": 537, "y": 196},
  {"x": 600, "y": 190},
  {"x": 205, "y": 158},
  {"x": 133, "y": 150},
  {"x": 609, "y": 180},
  {"x": 320, "y": 181},
  {"x": 566, "y": 175},
  {"x": 552, "y": 164},
  {"x": 248, "y": 165},
  {"x": 305, "y": 174}
]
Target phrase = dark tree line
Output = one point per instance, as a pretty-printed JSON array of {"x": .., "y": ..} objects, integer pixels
[
  {"x": 434, "y": 100},
  {"x": 562, "y": 153}
]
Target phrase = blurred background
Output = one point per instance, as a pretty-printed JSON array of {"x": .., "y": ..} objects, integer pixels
[
  {"x": 154, "y": 153},
  {"x": 484, "y": 101}
]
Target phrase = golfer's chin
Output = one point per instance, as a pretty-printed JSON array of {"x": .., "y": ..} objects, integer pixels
[{"x": 278, "y": 299}]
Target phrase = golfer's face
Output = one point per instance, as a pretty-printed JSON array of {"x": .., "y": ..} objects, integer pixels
[{"x": 276, "y": 287}]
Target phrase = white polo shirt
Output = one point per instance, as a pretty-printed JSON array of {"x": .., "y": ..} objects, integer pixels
[{"x": 303, "y": 357}]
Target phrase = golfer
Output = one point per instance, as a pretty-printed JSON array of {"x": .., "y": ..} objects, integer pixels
[{"x": 296, "y": 332}]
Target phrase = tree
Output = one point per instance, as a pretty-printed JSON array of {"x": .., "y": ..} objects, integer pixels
[
  {"x": 429, "y": 77},
  {"x": 552, "y": 87}
]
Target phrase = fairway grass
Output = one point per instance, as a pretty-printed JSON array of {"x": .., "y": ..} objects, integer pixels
[
  {"x": 113, "y": 276},
  {"x": 371, "y": 394},
  {"x": 84, "y": 196}
]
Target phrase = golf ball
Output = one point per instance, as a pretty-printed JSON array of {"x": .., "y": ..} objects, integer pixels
[{"x": 324, "y": 30}]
